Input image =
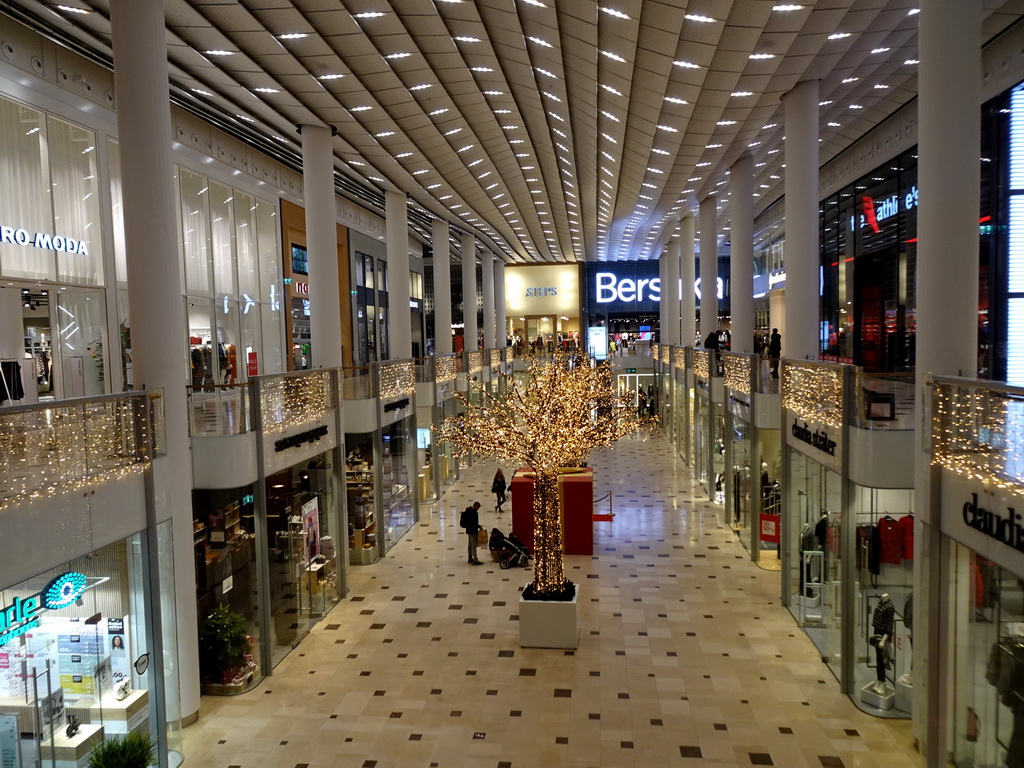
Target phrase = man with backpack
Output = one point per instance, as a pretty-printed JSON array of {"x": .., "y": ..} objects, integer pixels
[{"x": 469, "y": 521}]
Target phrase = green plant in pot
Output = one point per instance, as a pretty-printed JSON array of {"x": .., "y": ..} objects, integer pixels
[
  {"x": 549, "y": 421},
  {"x": 223, "y": 643},
  {"x": 135, "y": 750}
]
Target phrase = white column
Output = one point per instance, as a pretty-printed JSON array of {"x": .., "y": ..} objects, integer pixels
[
  {"x": 801, "y": 187},
  {"x": 156, "y": 300},
  {"x": 741, "y": 254},
  {"x": 687, "y": 277},
  {"x": 949, "y": 146},
  {"x": 487, "y": 278},
  {"x": 396, "y": 233},
  {"x": 663, "y": 310},
  {"x": 670, "y": 291},
  {"x": 469, "y": 329},
  {"x": 442, "y": 288},
  {"x": 500, "y": 321},
  {"x": 322, "y": 243},
  {"x": 708, "y": 267}
]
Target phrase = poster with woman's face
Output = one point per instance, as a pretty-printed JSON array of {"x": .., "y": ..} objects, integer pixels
[{"x": 311, "y": 528}]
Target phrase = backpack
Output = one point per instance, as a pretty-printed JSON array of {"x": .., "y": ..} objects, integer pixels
[{"x": 463, "y": 522}]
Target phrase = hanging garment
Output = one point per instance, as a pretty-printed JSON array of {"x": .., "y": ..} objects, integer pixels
[
  {"x": 875, "y": 551},
  {"x": 906, "y": 524},
  {"x": 11, "y": 387},
  {"x": 889, "y": 536}
]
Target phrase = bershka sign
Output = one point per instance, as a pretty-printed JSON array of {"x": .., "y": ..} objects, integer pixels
[
  {"x": 1004, "y": 527},
  {"x": 816, "y": 439},
  {"x": 44, "y": 240}
]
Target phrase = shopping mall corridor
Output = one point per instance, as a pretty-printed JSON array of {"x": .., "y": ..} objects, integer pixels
[{"x": 685, "y": 657}]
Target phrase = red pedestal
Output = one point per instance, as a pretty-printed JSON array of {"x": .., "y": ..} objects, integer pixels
[{"x": 576, "y": 503}]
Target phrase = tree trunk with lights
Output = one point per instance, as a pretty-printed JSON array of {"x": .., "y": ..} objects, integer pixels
[{"x": 549, "y": 571}]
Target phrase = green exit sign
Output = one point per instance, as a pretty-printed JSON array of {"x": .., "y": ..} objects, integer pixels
[
  {"x": 248, "y": 499},
  {"x": 631, "y": 370}
]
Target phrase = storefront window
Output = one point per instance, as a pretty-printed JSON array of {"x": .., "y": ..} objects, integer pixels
[
  {"x": 360, "y": 482},
  {"x": 77, "y": 662},
  {"x": 989, "y": 653},
  {"x": 398, "y": 468}
]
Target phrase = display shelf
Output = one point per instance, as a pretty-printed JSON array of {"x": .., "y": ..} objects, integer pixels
[
  {"x": 116, "y": 716},
  {"x": 71, "y": 752}
]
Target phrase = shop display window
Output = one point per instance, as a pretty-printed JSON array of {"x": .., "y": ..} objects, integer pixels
[
  {"x": 302, "y": 555},
  {"x": 360, "y": 486},
  {"x": 224, "y": 526},
  {"x": 988, "y": 641},
  {"x": 883, "y": 528},
  {"x": 814, "y": 537},
  {"x": 768, "y": 501},
  {"x": 398, "y": 468},
  {"x": 75, "y": 658}
]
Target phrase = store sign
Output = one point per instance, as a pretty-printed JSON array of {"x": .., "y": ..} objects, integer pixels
[
  {"x": 22, "y": 615},
  {"x": 546, "y": 289},
  {"x": 817, "y": 439},
  {"x": 251, "y": 366},
  {"x": 770, "y": 528},
  {"x": 44, "y": 240},
  {"x": 396, "y": 405},
  {"x": 874, "y": 212},
  {"x": 294, "y": 441},
  {"x": 1003, "y": 526},
  {"x": 301, "y": 288},
  {"x": 549, "y": 291},
  {"x": 636, "y": 287}
]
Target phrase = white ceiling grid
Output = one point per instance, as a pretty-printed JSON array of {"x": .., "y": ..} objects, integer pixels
[{"x": 554, "y": 130}]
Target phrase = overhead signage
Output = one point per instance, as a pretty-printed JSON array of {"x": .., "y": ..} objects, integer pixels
[
  {"x": 23, "y": 614},
  {"x": 873, "y": 212},
  {"x": 542, "y": 289},
  {"x": 294, "y": 441},
  {"x": 1004, "y": 527},
  {"x": 43, "y": 240},
  {"x": 548, "y": 291},
  {"x": 817, "y": 439},
  {"x": 635, "y": 286}
]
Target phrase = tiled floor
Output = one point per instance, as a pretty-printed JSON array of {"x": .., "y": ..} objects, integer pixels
[{"x": 685, "y": 658}]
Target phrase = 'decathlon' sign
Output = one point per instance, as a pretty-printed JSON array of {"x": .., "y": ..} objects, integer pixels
[{"x": 23, "y": 614}]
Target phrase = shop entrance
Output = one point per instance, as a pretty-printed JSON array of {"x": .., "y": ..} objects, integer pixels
[
  {"x": 51, "y": 342},
  {"x": 634, "y": 383}
]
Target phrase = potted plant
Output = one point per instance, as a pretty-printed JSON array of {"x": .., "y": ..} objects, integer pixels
[
  {"x": 135, "y": 750},
  {"x": 553, "y": 419},
  {"x": 223, "y": 644}
]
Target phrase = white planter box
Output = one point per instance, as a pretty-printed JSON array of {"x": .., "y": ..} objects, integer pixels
[{"x": 549, "y": 624}]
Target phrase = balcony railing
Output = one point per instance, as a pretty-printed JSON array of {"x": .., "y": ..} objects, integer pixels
[{"x": 62, "y": 447}]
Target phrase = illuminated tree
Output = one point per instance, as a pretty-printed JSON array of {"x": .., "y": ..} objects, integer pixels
[{"x": 551, "y": 420}]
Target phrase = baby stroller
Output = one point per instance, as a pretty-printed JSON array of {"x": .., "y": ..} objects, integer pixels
[{"x": 510, "y": 550}]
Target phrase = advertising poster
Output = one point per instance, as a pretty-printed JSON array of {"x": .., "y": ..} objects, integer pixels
[
  {"x": 311, "y": 528},
  {"x": 119, "y": 650}
]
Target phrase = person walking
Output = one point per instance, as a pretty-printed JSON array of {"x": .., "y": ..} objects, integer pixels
[
  {"x": 470, "y": 522},
  {"x": 775, "y": 351},
  {"x": 498, "y": 486}
]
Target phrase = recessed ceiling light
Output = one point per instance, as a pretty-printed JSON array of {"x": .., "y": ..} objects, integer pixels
[
  {"x": 329, "y": 77},
  {"x": 788, "y": 7},
  {"x": 761, "y": 56},
  {"x": 421, "y": 86},
  {"x": 494, "y": 93},
  {"x": 880, "y": 87},
  {"x": 510, "y": 127},
  {"x": 613, "y": 12},
  {"x": 71, "y": 9},
  {"x": 702, "y": 165},
  {"x": 913, "y": 11},
  {"x": 356, "y": 162},
  {"x": 382, "y": 134},
  {"x": 465, "y": 39},
  {"x": 201, "y": 92},
  {"x": 540, "y": 41},
  {"x": 368, "y": 15},
  {"x": 701, "y": 19},
  {"x": 850, "y": 80},
  {"x": 835, "y": 125},
  {"x": 552, "y": 96},
  {"x": 612, "y": 56},
  {"x": 246, "y": 118},
  {"x": 452, "y": 132},
  {"x": 293, "y": 36},
  {"x": 655, "y": 170},
  {"x": 611, "y": 90},
  {"x": 674, "y": 100},
  {"x": 856, "y": 106},
  {"x": 880, "y": 50},
  {"x": 770, "y": 125},
  {"x": 660, "y": 151},
  {"x": 403, "y": 154},
  {"x": 668, "y": 128},
  {"x": 610, "y": 116},
  {"x": 220, "y": 53},
  {"x": 686, "y": 64},
  {"x": 838, "y": 35},
  {"x": 438, "y": 111},
  {"x": 742, "y": 93},
  {"x": 713, "y": 146},
  {"x": 612, "y": 140},
  {"x": 266, "y": 90},
  {"x": 466, "y": 148},
  {"x": 359, "y": 109},
  {"x": 420, "y": 171},
  {"x": 824, "y": 103},
  {"x": 726, "y": 122},
  {"x": 400, "y": 55},
  {"x": 481, "y": 69},
  {"x": 911, "y": 62},
  {"x": 545, "y": 72}
]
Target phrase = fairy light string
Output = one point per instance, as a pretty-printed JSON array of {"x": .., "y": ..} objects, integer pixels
[
  {"x": 737, "y": 372},
  {"x": 814, "y": 392},
  {"x": 549, "y": 419}
]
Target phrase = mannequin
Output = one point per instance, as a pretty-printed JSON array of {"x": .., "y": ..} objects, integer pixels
[{"x": 882, "y": 625}]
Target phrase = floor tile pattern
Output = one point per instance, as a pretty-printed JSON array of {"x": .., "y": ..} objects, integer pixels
[{"x": 686, "y": 657}]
